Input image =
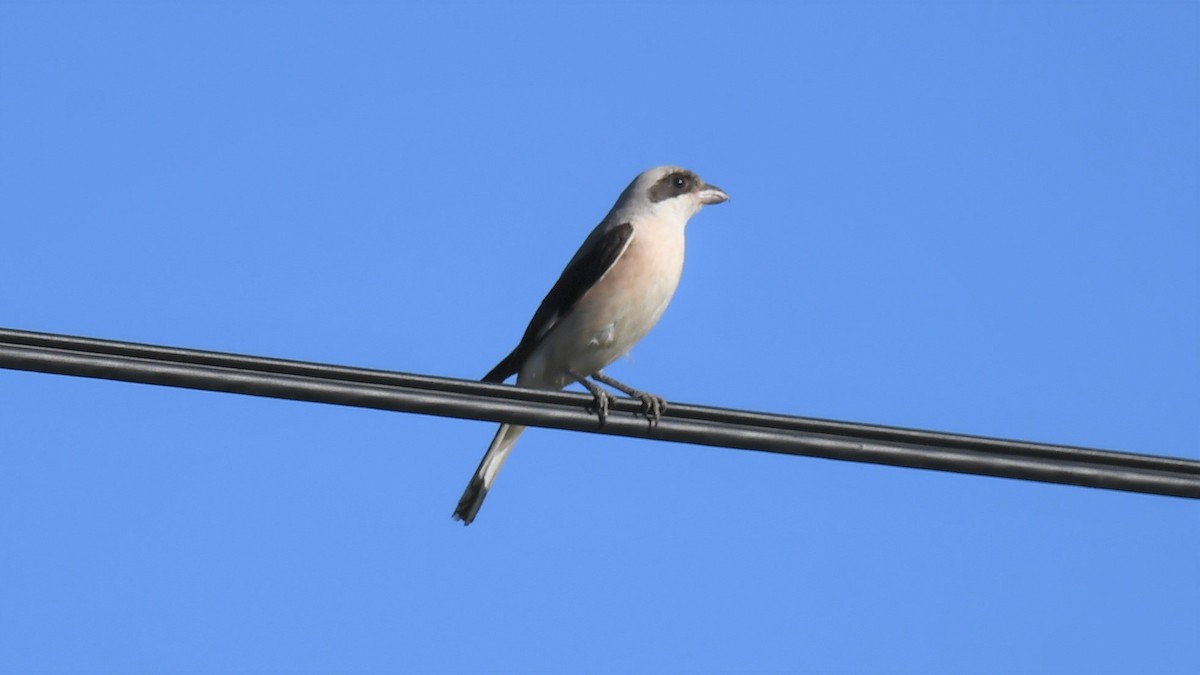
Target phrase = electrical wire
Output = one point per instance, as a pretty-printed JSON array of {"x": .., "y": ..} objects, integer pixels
[{"x": 702, "y": 425}]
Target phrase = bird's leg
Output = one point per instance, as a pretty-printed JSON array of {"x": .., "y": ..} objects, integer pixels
[
  {"x": 602, "y": 398},
  {"x": 652, "y": 406}
]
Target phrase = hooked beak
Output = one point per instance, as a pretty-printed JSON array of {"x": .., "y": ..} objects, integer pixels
[{"x": 711, "y": 194}]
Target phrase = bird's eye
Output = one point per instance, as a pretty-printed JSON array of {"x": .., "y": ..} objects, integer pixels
[{"x": 680, "y": 181}]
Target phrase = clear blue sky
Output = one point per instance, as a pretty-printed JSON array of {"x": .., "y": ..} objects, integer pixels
[{"x": 971, "y": 217}]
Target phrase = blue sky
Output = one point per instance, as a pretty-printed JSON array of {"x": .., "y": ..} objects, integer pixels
[{"x": 970, "y": 217}]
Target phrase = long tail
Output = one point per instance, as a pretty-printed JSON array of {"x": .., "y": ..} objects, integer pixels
[{"x": 485, "y": 475}]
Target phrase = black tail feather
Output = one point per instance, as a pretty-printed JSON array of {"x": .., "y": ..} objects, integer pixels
[{"x": 472, "y": 499}]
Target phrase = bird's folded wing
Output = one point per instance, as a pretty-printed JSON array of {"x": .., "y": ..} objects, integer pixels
[{"x": 593, "y": 260}]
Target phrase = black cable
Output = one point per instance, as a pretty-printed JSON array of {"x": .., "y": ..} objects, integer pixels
[{"x": 425, "y": 394}]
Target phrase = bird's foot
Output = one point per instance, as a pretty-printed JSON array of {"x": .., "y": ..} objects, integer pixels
[
  {"x": 600, "y": 398},
  {"x": 652, "y": 405},
  {"x": 600, "y": 402}
]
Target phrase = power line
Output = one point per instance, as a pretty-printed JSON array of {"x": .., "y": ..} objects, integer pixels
[{"x": 425, "y": 394}]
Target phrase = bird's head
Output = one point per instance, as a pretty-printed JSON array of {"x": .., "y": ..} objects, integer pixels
[{"x": 669, "y": 191}]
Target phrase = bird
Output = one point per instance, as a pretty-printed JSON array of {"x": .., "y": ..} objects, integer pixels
[{"x": 611, "y": 293}]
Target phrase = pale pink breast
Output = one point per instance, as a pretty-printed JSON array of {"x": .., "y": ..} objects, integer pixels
[{"x": 617, "y": 312}]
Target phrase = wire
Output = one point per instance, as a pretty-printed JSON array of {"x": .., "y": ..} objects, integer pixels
[{"x": 424, "y": 394}]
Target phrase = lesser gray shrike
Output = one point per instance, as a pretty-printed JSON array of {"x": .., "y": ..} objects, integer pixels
[{"x": 609, "y": 296}]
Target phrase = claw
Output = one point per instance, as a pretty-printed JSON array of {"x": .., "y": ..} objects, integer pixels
[
  {"x": 600, "y": 398},
  {"x": 600, "y": 403},
  {"x": 652, "y": 407}
]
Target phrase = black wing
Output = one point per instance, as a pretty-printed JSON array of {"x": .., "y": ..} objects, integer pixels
[{"x": 587, "y": 267}]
